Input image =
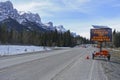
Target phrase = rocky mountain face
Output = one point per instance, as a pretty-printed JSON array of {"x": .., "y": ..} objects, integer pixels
[
  {"x": 14, "y": 19},
  {"x": 60, "y": 28},
  {"x": 7, "y": 10}
]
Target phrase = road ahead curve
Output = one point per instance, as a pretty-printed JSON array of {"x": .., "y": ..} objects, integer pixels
[{"x": 70, "y": 64}]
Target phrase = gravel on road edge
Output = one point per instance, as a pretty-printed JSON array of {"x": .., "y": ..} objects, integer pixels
[{"x": 112, "y": 67}]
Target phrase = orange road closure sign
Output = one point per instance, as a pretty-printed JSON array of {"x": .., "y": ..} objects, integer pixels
[{"x": 101, "y": 34}]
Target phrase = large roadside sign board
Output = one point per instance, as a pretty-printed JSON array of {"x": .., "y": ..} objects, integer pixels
[{"x": 102, "y": 34}]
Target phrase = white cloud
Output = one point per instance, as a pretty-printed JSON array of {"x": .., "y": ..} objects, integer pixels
[
  {"x": 113, "y": 23},
  {"x": 31, "y": 6},
  {"x": 41, "y": 7},
  {"x": 46, "y": 6},
  {"x": 85, "y": 6},
  {"x": 76, "y": 5},
  {"x": 51, "y": 5}
]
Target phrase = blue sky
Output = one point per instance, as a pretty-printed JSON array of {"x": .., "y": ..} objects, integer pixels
[{"x": 76, "y": 15}]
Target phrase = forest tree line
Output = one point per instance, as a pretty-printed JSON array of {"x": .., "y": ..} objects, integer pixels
[
  {"x": 51, "y": 38},
  {"x": 116, "y": 38}
]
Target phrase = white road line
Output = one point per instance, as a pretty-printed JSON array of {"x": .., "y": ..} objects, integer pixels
[
  {"x": 101, "y": 69},
  {"x": 91, "y": 70}
]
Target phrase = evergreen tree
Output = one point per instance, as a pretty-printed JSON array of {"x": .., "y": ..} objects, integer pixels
[
  {"x": 113, "y": 38},
  {"x": 117, "y": 39},
  {"x": 51, "y": 38},
  {"x": 4, "y": 35}
]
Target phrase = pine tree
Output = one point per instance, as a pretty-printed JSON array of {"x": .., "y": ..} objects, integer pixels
[
  {"x": 4, "y": 36},
  {"x": 113, "y": 37},
  {"x": 117, "y": 39}
]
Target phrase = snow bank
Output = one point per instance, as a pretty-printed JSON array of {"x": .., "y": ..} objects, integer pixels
[{"x": 18, "y": 49}]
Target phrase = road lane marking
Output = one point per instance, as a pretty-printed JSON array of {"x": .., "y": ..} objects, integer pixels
[{"x": 91, "y": 70}]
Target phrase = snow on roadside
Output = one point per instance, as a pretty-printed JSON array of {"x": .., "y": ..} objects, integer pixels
[{"x": 18, "y": 49}]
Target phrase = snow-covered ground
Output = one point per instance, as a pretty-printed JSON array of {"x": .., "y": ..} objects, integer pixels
[{"x": 18, "y": 49}]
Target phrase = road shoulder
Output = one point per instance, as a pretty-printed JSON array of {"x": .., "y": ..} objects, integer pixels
[{"x": 112, "y": 67}]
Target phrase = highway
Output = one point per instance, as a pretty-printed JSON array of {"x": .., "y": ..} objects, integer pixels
[{"x": 65, "y": 64}]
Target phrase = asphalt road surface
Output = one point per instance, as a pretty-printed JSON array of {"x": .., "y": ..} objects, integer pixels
[{"x": 65, "y": 64}]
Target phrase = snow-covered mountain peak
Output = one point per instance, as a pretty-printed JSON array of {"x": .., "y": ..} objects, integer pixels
[
  {"x": 60, "y": 28},
  {"x": 49, "y": 24},
  {"x": 7, "y": 10},
  {"x": 32, "y": 17},
  {"x": 6, "y": 5}
]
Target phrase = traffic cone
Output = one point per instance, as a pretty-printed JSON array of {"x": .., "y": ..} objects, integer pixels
[{"x": 87, "y": 57}]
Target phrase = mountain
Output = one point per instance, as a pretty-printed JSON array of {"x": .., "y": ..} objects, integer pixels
[
  {"x": 11, "y": 25},
  {"x": 7, "y": 10},
  {"x": 60, "y": 28},
  {"x": 49, "y": 26},
  {"x": 31, "y": 17},
  {"x": 14, "y": 19}
]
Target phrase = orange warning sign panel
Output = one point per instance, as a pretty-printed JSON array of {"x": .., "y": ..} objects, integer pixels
[{"x": 103, "y": 34}]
